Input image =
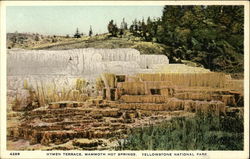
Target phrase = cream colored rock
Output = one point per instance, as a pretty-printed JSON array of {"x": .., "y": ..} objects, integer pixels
[{"x": 79, "y": 61}]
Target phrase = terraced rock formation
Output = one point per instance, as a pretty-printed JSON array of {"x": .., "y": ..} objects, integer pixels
[{"x": 62, "y": 110}]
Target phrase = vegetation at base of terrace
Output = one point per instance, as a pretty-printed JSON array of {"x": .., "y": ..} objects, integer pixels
[{"x": 202, "y": 132}]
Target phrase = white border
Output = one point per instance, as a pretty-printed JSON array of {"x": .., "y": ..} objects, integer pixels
[{"x": 42, "y": 154}]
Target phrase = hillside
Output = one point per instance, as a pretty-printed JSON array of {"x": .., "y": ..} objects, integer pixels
[
  {"x": 128, "y": 40},
  {"x": 40, "y": 42}
]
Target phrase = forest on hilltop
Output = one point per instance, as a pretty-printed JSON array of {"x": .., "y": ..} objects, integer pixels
[{"x": 209, "y": 35}]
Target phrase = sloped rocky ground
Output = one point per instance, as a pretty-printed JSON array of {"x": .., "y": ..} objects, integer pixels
[
  {"x": 88, "y": 127},
  {"x": 98, "y": 124}
]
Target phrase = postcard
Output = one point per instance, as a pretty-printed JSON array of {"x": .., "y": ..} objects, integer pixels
[{"x": 116, "y": 79}]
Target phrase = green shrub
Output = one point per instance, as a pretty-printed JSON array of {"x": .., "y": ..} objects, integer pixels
[{"x": 203, "y": 132}]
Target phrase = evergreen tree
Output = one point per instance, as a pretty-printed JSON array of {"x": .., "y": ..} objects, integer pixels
[
  {"x": 149, "y": 29},
  {"x": 112, "y": 28},
  {"x": 144, "y": 30},
  {"x": 77, "y": 34},
  {"x": 90, "y": 31}
]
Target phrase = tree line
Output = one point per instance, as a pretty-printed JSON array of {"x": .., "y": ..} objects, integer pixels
[{"x": 209, "y": 35}]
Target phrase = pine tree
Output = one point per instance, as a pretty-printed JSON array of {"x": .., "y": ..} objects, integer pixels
[
  {"x": 90, "y": 31},
  {"x": 112, "y": 28},
  {"x": 77, "y": 34},
  {"x": 144, "y": 29}
]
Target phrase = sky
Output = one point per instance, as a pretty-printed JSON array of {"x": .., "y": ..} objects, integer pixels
[{"x": 63, "y": 20}]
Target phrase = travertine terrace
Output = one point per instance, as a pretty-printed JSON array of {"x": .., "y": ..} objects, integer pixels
[
  {"x": 80, "y": 62},
  {"x": 90, "y": 98}
]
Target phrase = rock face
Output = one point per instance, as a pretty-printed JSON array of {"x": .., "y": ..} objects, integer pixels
[
  {"x": 53, "y": 74},
  {"x": 191, "y": 92},
  {"x": 80, "y": 62}
]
